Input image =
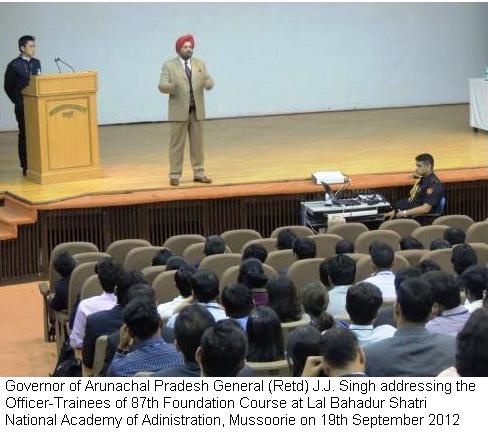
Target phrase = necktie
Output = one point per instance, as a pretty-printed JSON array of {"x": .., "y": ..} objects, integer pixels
[{"x": 188, "y": 71}]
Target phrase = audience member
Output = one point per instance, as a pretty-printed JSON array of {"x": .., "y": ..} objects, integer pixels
[
  {"x": 251, "y": 274},
  {"x": 304, "y": 248},
  {"x": 474, "y": 281},
  {"x": 265, "y": 336},
  {"x": 285, "y": 240},
  {"x": 175, "y": 262},
  {"x": 315, "y": 300},
  {"x": 455, "y": 236},
  {"x": 283, "y": 298},
  {"x": 427, "y": 266},
  {"x": 183, "y": 284},
  {"x": 303, "y": 342},
  {"x": 214, "y": 245},
  {"x": 463, "y": 256},
  {"x": 382, "y": 256},
  {"x": 439, "y": 244},
  {"x": 255, "y": 250},
  {"x": 64, "y": 264},
  {"x": 344, "y": 247},
  {"x": 162, "y": 257},
  {"x": 409, "y": 242},
  {"x": 238, "y": 303}
]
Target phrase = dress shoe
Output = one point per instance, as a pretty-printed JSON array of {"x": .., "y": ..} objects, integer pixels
[
  {"x": 24, "y": 172},
  {"x": 174, "y": 182},
  {"x": 203, "y": 179}
]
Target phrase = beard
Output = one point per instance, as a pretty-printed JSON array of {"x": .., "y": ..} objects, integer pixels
[{"x": 186, "y": 56}]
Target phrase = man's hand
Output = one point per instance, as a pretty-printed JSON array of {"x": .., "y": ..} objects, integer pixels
[
  {"x": 125, "y": 340},
  {"x": 313, "y": 367}
]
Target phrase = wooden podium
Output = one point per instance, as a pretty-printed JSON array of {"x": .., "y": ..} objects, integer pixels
[{"x": 61, "y": 127}]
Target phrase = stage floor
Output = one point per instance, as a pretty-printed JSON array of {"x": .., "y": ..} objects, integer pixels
[{"x": 268, "y": 149}]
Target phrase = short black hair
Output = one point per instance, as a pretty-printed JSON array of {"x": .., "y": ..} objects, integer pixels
[
  {"x": 124, "y": 282},
  {"x": 445, "y": 288},
  {"x": 141, "y": 291},
  {"x": 363, "y": 302},
  {"x": 175, "y": 262},
  {"x": 341, "y": 270},
  {"x": 305, "y": 248},
  {"x": 265, "y": 335},
  {"x": 427, "y": 266},
  {"x": 255, "y": 250},
  {"x": 223, "y": 349},
  {"x": 183, "y": 279},
  {"x": 205, "y": 286},
  {"x": 414, "y": 296},
  {"x": 190, "y": 324},
  {"x": 382, "y": 254},
  {"x": 214, "y": 245},
  {"x": 455, "y": 236},
  {"x": 23, "y": 40},
  {"x": 344, "y": 247},
  {"x": 474, "y": 279},
  {"x": 472, "y": 346},
  {"x": 237, "y": 301},
  {"x": 439, "y": 244},
  {"x": 64, "y": 264},
  {"x": 303, "y": 342},
  {"x": 162, "y": 257},
  {"x": 108, "y": 274},
  {"x": 339, "y": 347},
  {"x": 141, "y": 317},
  {"x": 285, "y": 239},
  {"x": 251, "y": 274},
  {"x": 283, "y": 298},
  {"x": 406, "y": 273},
  {"x": 425, "y": 158},
  {"x": 410, "y": 243},
  {"x": 463, "y": 256}
]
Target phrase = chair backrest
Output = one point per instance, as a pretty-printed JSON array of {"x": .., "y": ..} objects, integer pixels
[
  {"x": 280, "y": 260},
  {"x": 78, "y": 277},
  {"x": 288, "y": 327},
  {"x": 303, "y": 272},
  {"x": 356, "y": 256},
  {"x": 178, "y": 244},
  {"x": 91, "y": 287},
  {"x": 236, "y": 239},
  {"x": 195, "y": 253},
  {"x": 413, "y": 256},
  {"x": 219, "y": 263},
  {"x": 164, "y": 286},
  {"x": 120, "y": 248},
  {"x": 477, "y": 233},
  {"x": 141, "y": 257},
  {"x": 460, "y": 221},
  {"x": 326, "y": 244},
  {"x": 442, "y": 257},
  {"x": 349, "y": 230},
  {"x": 229, "y": 277},
  {"x": 269, "y": 244},
  {"x": 299, "y": 230},
  {"x": 427, "y": 234},
  {"x": 267, "y": 369},
  {"x": 364, "y": 240},
  {"x": 99, "y": 356},
  {"x": 151, "y": 272},
  {"x": 90, "y": 257},
  {"x": 481, "y": 250},
  {"x": 403, "y": 227},
  {"x": 365, "y": 267}
]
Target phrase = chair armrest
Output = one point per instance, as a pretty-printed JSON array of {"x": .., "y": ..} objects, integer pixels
[{"x": 44, "y": 288}]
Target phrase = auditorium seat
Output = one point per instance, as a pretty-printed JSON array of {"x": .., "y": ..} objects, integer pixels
[
  {"x": 481, "y": 250},
  {"x": 356, "y": 256},
  {"x": 236, "y": 239},
  {"x": 99, "y": 356},
  {"x": 299, "y": 230},
  {"x": 348, "y": 231},
  {"x": 89, "y": 257},
  {"x": 282, "y": 259},
  {"x": 119, "y": 249},
  {"x": 140, "y": 258},
  {"x": 326, "y": 244},
  {"x": 413, "y": 255},
  {"x": 151, "y": 272},
  {"x": 288, "y": 327},
  {"x": 91, "y": 287},
  {"x": 78, "y": 278},
  {"x": 477, "y": 233},
  {"x": 403, "y": 227},
  {"x": 229, "y": 277},
  {"x": 195, "y": 253},
  {"x": 303, "y": 272},
  {"x": 178, "y": 244},
  {"x": 268, "y": 243},
  {"x": 164, "y": 287},
  {"x": 460, "y": 221},
  {"x": 427, "y": 234},
  {"x": 364, "y": 240},
  {"x": 442, "y": 257},
  {"x": 268, "y": 369},
  {"x": 220, "y": 262}
]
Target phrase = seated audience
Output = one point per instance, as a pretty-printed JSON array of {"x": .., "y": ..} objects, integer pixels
[
  {"x": 183, "y": 284},
  {"x": 285, "y": 240},
  {"x": 222, "y": 350},
  {"x": 265, "y": 336},
  {"x": 427, "y": 266},
  {"x": 315, "y": 300},
  {"x": 238, "y": 303},
  {"x": 162, "y": 257},
  {"x": 251, "y": 274},
  {"x": 412, "y": 351},
  {"x": 344, "y": 247},
  {"x": 108, "y": 274},
  {"x": 64, "y": 264},
  {"x": 304, "y": 248},
  {"x": 474, "y": 282},
  {"x": 175, "y": 262},
  {"x": 255, "y": 250},
  {"x": 455, "y": 236},
  {"x": 463, "y": 256},
  {"x": 382, "y": 256},
  {"x": 141, "y": 348},
  {"x": 363, "y": 302},
  {"x": 283, "y": 298},
  {"x": 439, "y": 244},
  {"x": 449, "y": 316},
  {"x": 214, "y": 245},
  {"x": 302, "y": 343},
  {"x": 339, "y": 273},
  {"x": 339, "y": 356},
  {"x": 410, "y": 243}
]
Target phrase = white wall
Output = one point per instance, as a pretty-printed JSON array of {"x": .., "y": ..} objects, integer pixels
[{"x": 265, "y": 58}]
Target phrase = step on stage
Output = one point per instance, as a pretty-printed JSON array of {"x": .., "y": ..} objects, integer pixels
[{"x": 261, "y": 168}]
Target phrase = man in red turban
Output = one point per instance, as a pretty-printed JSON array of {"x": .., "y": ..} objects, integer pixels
[{"x": 184, "y": 78}]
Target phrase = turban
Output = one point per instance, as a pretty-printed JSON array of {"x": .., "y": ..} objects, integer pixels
[{"x": 182, "y": 39}]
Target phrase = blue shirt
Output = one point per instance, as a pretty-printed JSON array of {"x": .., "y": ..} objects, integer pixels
[
  {"x": 148, "y": 355},
  {"x": 242, "y": 321},
  {"x": 449, "y": 322},
  {"x": 214, "y": 308}
]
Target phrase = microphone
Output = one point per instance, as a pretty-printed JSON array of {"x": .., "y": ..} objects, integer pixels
[
  {"x": 57, "y": 64},
  {"x": 65, "y": 63}
]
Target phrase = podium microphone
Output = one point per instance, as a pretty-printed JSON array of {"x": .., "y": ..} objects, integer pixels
[
  {"x": 58, "y": 59},
  {"x": 57, "y": 64}
]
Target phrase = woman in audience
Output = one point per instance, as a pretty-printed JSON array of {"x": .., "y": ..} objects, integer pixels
[
  {"x": 265, "y": 336},
  {"x": 302, "y": 343},
  {"x": 251, "y": 274},
  {"x": 64, "y": 264},
  {"x": 283, "y": 298},
  {"x": 315, "y": 300}
]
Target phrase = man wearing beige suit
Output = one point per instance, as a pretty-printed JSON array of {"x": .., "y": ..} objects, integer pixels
[{"x": 184, "y": 79}]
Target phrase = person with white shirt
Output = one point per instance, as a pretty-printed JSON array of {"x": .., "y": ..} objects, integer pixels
[
  {"x": 183, "y": 284},
  {"x": 363, "y": 302},
  {"x": 108, "y": 274},
  {"x": 474, "y": 282},
  {"x": 338, "y": 273},
  {"x": 382, "y": 256}
]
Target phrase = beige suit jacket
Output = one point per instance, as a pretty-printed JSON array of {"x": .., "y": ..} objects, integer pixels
[{"x": 174, "y": 82}]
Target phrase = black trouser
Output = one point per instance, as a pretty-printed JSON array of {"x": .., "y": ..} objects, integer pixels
[{"x": 19, "y": 115}]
